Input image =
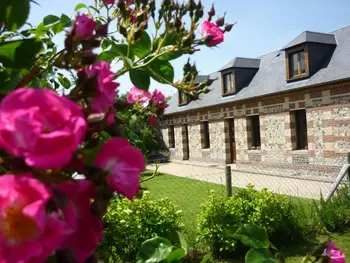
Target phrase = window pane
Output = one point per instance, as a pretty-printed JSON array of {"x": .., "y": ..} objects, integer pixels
[
  {"x": 301, "y": 130},
  {"x": 255, "y": 131},
  {"x": 171, "y": 136},
  {"x": 302, "y": 62},
  {"x": 294, "y": 64},
  {"x": 183, "y": 97},
  {"x": 232, "y": 88},
  {"x": 227, "y": 82},
  {"x": 206, "y": 135}
]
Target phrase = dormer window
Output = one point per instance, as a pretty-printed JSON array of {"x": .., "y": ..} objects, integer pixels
[
  {"x": 229, "y": 85},
  {"x": 308, "y": 53},
  {"x": 237, "y": 74},
  {"x": 183, "y": 98},
  {"x": 298, "y": 64}
]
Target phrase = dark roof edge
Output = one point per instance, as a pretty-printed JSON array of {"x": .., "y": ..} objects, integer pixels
[{"x": 261, "y": 96}]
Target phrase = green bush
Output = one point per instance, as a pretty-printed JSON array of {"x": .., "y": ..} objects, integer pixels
[
  {"x": 335, "y": 215},
  {"x": 305, "y": 213},
  {"x": 130, "y": 223},
  {"x": 262, "y": 208}
]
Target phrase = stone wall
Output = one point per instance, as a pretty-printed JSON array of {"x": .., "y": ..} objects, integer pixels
[
  {"x": 177, "y": 152},
  {"x": 165, "y": 135},
  {"x": 194, "y": 141},
  {"x": 217, "y": 141},
  {"x": 241, "y": 139},
  {"x": 330, "y": 133},
  {"x": 328, "y": 130},
  {"x": 273, "y": 141}
]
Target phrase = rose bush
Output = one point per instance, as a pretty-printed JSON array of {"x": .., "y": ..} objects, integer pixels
[
  {"x": 46, "y": 138},
  {"x": 334, "y": 254},
  {"x": 40, "y": 126}
]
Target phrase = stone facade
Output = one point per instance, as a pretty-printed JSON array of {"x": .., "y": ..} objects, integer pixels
[
  {"x": 328, "y": 129},
  {"x": 177, "y": 152}
]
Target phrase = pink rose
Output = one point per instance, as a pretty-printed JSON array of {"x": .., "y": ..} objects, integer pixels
[
  {"x": 124, "y": 164},
  {"x": 152, "y": 120},
  {"x": 138, "y": 95},
  {"x": 83, "y": 230},
  {"x": 106, "y": 91},
  {"x": 159, "y": 100},
  {"x": 27, "y": 233},
  {"x": 335, "y": 254},
  {"x": 109, "y": 2},
  {"x": 133, "y": 16},
  {"x": 84, "y": 26},
  {"x": 211, "y": 30},
  {"x": 158, "y": 97},
  {"x": 41, "y": 126}
]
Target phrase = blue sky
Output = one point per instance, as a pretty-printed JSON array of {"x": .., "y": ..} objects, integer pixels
[{"x": 263, "y": 26}]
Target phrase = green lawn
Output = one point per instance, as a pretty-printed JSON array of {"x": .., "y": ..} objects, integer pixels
[{"x": 189, "y": 194}]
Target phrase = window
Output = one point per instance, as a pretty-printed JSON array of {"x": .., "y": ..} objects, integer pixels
[
  {"x": 297, "y": 64},
  {"x": 171, "y": 134},
  {"x": 300, "y": 130},
  {"x": 229, "y": 83},
  {"x": 205, "y": 135},
  {"x": 255, "y": 132},
  {"x": 183, "y": 98}
]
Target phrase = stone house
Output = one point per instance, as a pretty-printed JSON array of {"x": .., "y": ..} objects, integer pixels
[{"x": 287, "y": 108}]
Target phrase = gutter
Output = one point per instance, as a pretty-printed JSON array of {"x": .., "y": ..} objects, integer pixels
[{"x": 256, "y": 97}]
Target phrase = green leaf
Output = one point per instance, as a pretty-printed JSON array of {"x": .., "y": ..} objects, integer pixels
[
  {"x": 91, "y": 154},
  {"x": 133, "y": 121},
  {"x": 128, "y": 62},
  {"x": 252, "y": 236},
  {"x": 9, "y": 79},
  {"x": 262, "y": 255},
  {"x": 80, "y": 6},
  {"x": 41, "y": 30},
  {"x": 143, "y": 46},
  {"x": 161, "y": 71},
  {"x": 206, "y": 258},
  {"x": 170, "y": 56},
  {"x": 176, "y": 255},
  {"x": 140, "y": 78},
  {"x": 19, "y": 53},
  {"x": 3, "y": 8},
  {"x": 94, "y": 8},
  {"x": 177, "y": 238},
  {"x": 166, "y": 39},
  {"x": 17, "y": 13},
  {"x": 65, "y": 21},
  {"x": 51, "y": 20},
  {"x": 154, "y": 250},
  {"x": 64, "y": 81},
  {"x": 106, "y": 43},
  {"x": 116, "y": 51}
]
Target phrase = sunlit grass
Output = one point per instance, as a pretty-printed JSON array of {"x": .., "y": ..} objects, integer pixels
[{"x": 189, "y": 194}]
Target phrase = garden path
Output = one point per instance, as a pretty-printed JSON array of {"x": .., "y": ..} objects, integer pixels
[{"x": 216, "y": 174}]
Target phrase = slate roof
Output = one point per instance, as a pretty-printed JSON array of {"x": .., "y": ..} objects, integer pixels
[
  {"x": 313, "y": 37},
  {"x": 201, "y": 78},
  {"x": 271, "y": 76},
  {"x": 242, "y": 63}
]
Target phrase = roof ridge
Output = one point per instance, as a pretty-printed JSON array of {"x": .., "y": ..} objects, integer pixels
[
  {"x": 316, "y": 32},
  {"x": 278, "y": 50},
  {"x": 340, "y": 28}
]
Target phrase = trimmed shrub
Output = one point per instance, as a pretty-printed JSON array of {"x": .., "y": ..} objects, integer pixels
[
  {"x": 130, "y": 223},
  {"x": 262, "y": 208},
  {"x": 335, "y": 215}
]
